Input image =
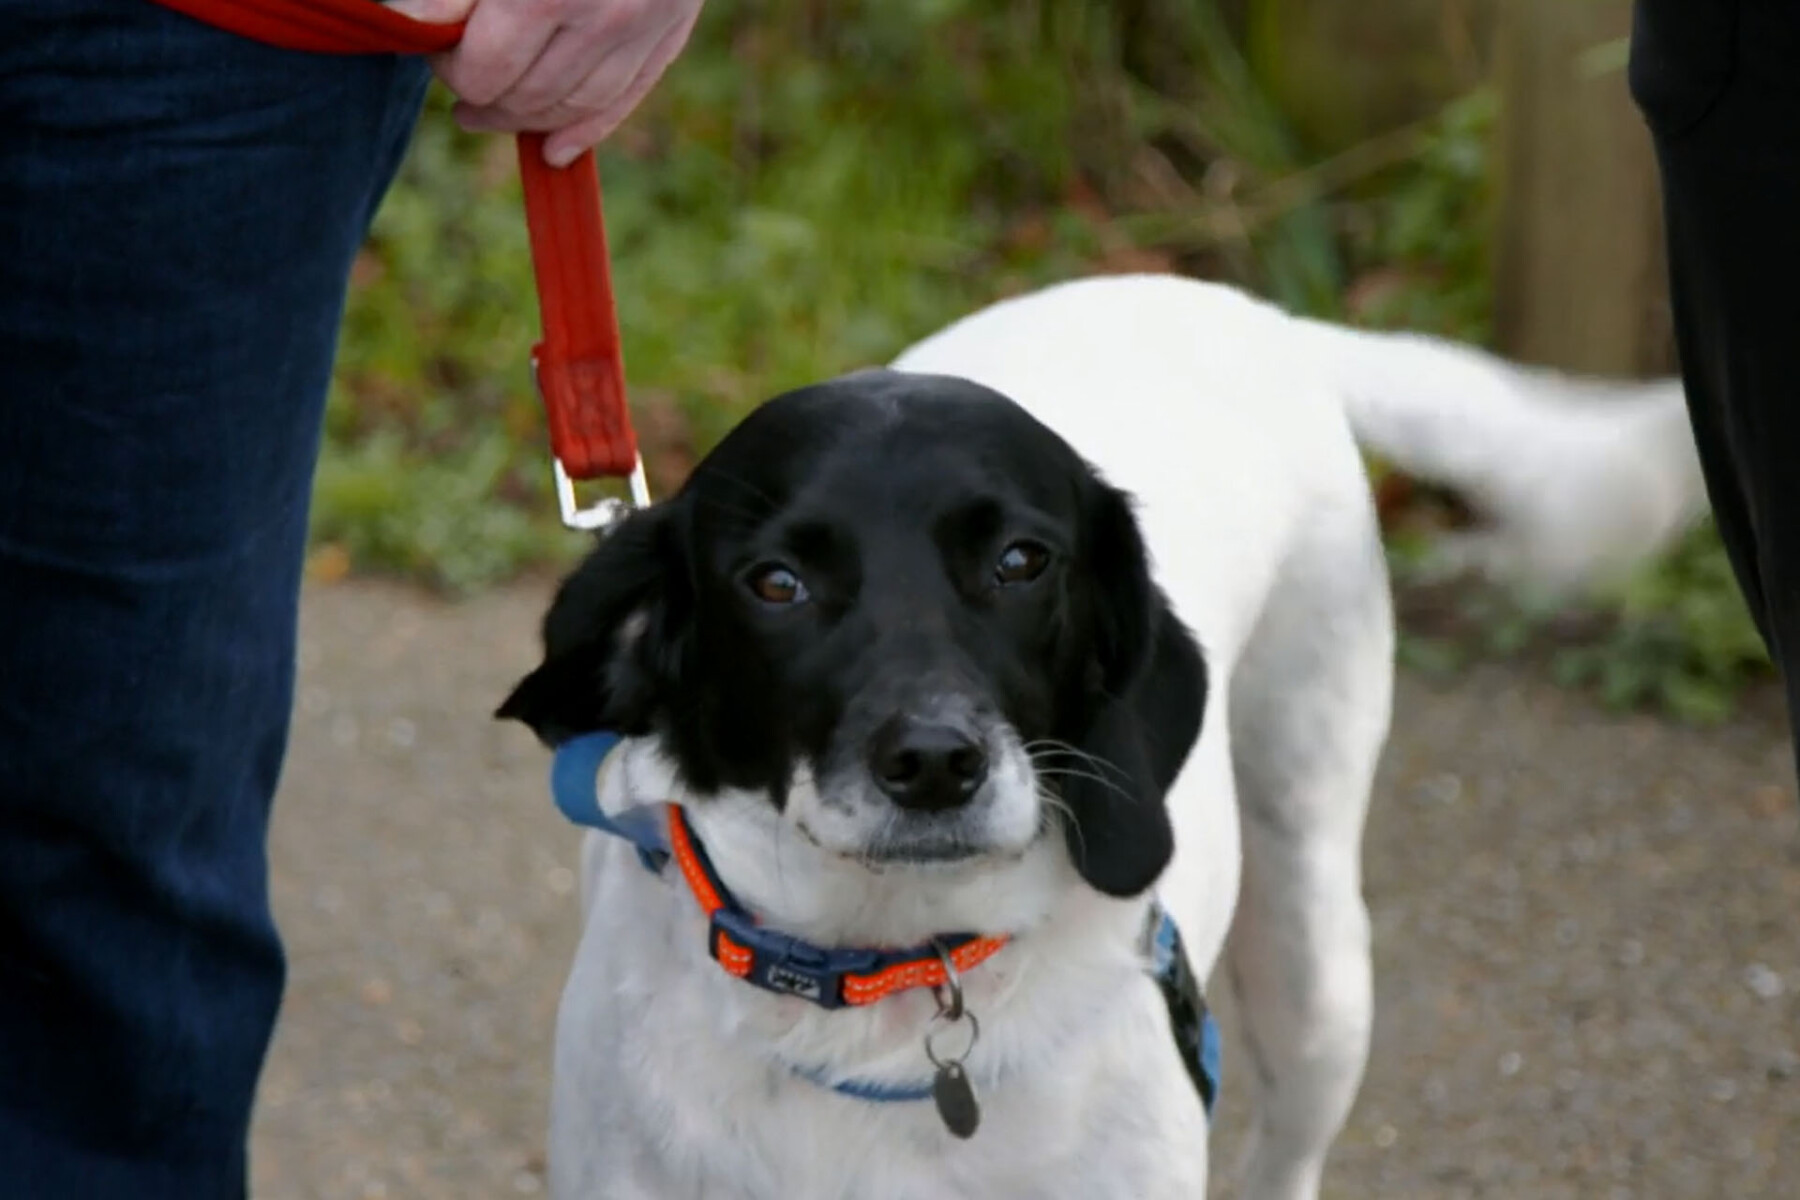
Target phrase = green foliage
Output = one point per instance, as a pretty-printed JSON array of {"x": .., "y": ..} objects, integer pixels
[
  {"x": 1683, "y": 640},
  {"x": 814, "y": 185},
  {"x": 431, "y": 518},
  {"x": 803, "y": 196},
  {"x": 1676, "y": 638},
  {"x": 1428, "y": 230}
]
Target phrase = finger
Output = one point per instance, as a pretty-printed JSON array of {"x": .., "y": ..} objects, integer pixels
[
  {"x": 565, "y": 145},
  {"x": 479, "y": 119},
  {"x": 611, "y": 77},
  {"x": 432, "y": 12},
  {"x": 569, "y": 143},
  {"x": 588, "y": 66},
  {"x": 574, "y": 71},
  {"x": 503, "y": 39}
]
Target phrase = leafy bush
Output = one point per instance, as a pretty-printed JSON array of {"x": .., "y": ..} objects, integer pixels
[{"x": 1682, "y": 641}]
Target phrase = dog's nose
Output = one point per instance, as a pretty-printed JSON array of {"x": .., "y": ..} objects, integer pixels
[{"x": 927, "y": 766}]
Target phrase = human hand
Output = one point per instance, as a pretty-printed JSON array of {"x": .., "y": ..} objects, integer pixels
[{"x": 573, "y": 69}]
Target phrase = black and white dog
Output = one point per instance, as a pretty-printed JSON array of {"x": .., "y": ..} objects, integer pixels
[{"x": 913, "y": 689}]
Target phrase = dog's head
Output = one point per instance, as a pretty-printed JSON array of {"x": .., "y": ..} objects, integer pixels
[{"x": 910, "y": 614}]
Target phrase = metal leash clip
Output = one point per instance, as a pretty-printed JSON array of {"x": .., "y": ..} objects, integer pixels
[{"x": 606, "y": 511}]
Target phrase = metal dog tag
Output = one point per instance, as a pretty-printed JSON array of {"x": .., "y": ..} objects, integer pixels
[{"x": 954, "y": 1096}]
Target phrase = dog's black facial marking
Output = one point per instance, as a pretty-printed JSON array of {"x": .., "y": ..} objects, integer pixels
[
  {"x": 888, "y": 552},
  {"x": 614, "y": 642}
]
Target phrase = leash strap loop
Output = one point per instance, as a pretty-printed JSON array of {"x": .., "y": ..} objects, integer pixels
[
  {"x": 323, "y": 26},
  {"x": 579, "y": 369}
]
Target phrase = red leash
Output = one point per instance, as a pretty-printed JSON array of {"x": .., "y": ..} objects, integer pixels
[{"x": 579, "y": 371}]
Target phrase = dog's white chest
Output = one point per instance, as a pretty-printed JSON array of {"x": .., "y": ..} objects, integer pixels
[{"x": 672, "y": 1083}]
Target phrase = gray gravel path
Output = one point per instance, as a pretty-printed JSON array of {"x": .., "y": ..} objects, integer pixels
[{"x": 1587, "y": 934}]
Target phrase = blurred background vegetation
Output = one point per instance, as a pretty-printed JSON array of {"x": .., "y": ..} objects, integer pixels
[{"x": 816, "y": 183}]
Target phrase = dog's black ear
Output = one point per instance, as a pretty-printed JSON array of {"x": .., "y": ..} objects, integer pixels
[
  {"x": 1146, "y": 692},
  {"x": 615, "y": 638},
  {"x": 1127, "y": 604}
]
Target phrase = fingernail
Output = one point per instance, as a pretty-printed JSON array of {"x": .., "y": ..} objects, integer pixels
[
  {"x": 561, "y": 156},
  {"x": 432, "y": 12}
]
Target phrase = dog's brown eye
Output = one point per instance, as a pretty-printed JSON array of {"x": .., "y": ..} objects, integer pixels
[
  {"x": 1021, "y": 562},
  {"x": 775, "y": 584}
]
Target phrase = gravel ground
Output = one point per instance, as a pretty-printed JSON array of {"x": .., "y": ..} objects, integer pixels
[{"x": 1587, "y": 944}]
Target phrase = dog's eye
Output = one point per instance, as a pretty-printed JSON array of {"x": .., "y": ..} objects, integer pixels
[
  {"x": 775, "y": 584},
  {"x": 1021, "y": 562}
]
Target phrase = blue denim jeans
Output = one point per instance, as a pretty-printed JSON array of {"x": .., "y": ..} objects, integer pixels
[{"x": 179, "y": 209}]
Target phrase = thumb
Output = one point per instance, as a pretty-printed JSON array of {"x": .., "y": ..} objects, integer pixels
[{"x": 432, "y": 12}]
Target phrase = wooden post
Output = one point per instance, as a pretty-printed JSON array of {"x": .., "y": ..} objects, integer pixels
[
  {"x": 1579, "y": 265},
  {"x": 1345, "y": 72}
]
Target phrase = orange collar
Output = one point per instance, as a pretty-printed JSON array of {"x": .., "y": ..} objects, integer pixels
[
  {"x": 788, "y": 966},
  {"x": 775, "y": 962}
]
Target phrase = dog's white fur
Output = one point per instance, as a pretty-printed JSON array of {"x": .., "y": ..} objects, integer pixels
[{"x": 1233, "y": 424}]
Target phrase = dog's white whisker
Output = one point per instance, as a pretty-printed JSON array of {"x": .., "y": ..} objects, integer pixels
[
  {"x": 1043, "y": 748},
  {"x": 1111, "y": 787}
]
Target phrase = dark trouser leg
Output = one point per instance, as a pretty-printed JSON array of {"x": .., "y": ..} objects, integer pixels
[
  {"x": 178, "y": 213},
  {"x": 1719, "y": 83}
]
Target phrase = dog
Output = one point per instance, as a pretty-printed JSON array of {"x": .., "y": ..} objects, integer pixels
[{"x": 1075, "y": 613}]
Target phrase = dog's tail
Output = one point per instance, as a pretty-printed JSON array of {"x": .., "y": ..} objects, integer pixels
[{"x": 1574, "y": 481}]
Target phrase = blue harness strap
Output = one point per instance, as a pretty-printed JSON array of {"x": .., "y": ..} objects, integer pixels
[
  {"x": 1196, "y": 1033},
  {"x": 574, "y": 782},
  {"x": 574, "y": 776}
]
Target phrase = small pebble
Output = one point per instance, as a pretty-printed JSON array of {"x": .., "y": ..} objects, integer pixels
[
  {"x": 1764, "y": 981},
  {"x": 1442, "y": 789}
]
